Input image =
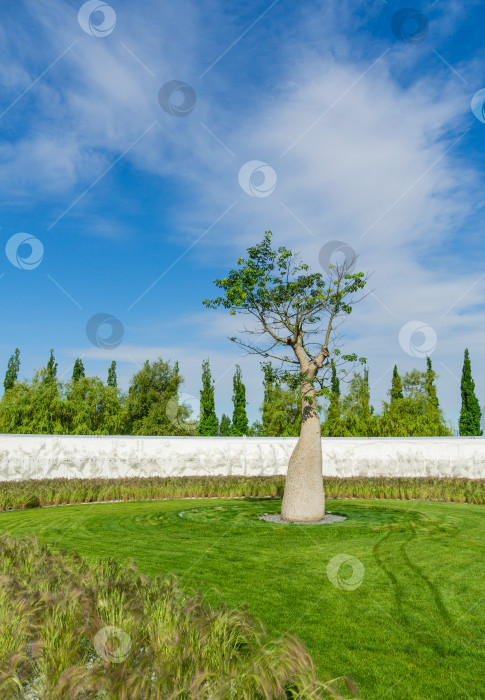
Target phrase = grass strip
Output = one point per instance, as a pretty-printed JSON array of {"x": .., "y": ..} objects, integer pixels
[{"x": 33, "y": 493}]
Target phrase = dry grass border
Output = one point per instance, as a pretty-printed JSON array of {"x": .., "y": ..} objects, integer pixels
[{"x": 33, "y": 493}]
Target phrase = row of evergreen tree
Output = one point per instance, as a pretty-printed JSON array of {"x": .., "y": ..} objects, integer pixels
[{"x": 151, "y": 406}]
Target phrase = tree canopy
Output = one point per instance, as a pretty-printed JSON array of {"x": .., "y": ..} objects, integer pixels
[{"x": 290, "y": 306}]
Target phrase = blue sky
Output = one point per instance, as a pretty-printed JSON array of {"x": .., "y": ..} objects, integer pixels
[{"x": 370, "y": 140}]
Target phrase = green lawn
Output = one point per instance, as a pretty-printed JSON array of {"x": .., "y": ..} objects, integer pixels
[{"x": 414, "y": 627}]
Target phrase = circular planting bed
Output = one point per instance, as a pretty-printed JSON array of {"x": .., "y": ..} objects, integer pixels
[{"x": 328, "y": 519}]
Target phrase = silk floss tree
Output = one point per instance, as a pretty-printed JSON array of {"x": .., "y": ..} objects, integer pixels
[{"x": 295, "y": 314}]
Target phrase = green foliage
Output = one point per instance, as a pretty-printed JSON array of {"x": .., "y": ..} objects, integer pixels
[
  {"x": 396, "y": 385},
  {"x": 93, "y": 408},
  {"x": 78, "y": 370},
  {"x": 12, "y": 372},
  {"x": 334, "y": 382},
  {"x": 51, "y": 368},
  {"x": 417, "y": 413},
  {"x": 357, "y": 414},
  {"x": 429, "y": 384},
  {"x": 256, "y": 429},
  {"x": 208, "y": 424},
  {"x": 34, "y": 407},
  {"x": 152, "y": 401},
  {"x": 293, "y": 307},
  {"x": 225, "y": 426},
  {"x": 332, "y": 425},
  {"x": 112, "y": 379},
  {"x": 262, "y": 281},
  {"x": 470, "y": 414},
  {"x": 86, "y": 406},
  {"x": 152, "y": 406},
  {"x": 351, "y": 415},
  {"x": 281, "y": 410},
  {"x": 239, "y": 417},
  {"x": 413, "y": 409}
]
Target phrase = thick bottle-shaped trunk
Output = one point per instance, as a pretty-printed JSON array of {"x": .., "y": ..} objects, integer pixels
[{"x": 304, "y": 498}]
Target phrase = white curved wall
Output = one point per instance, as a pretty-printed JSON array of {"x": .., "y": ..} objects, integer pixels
[{"x": 50, "y": 456}]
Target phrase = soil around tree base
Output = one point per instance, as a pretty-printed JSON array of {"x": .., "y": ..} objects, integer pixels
[{"x": 276, "y": 518}]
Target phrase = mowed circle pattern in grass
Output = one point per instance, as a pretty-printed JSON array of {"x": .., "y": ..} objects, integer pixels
[{"x": 412, "y": 627}]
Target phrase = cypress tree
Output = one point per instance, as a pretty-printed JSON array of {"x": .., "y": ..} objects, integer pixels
[
  {"x": 208, "y": 424},
  {"x": 366, "y": 409},
  {"x": 363, "y": 408},
  {"x": 12, "y": 372},
  {"x": 51, "y": 368},
  {"x": 239, "y": 417},
  {"x": 225, "y": 428},
  {"x": 331, "y": 426},
  {"x": 335, "y": 382},
  {"x": 470, "y": 414},
  {"x": 112, "y": 379},
  {"x": 269, "y": 382},
  {"x": 271, "y": 388},
  {"x": 267, "y": 409},
  {"x": 396, "y": 385},
  {"x": 429, "y": 384},
  {"x": 78, "y": 370}
]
